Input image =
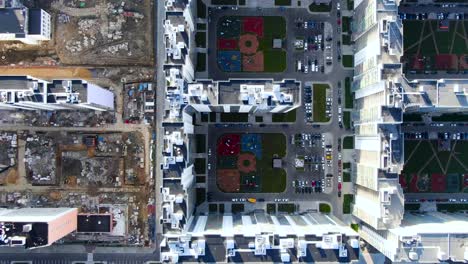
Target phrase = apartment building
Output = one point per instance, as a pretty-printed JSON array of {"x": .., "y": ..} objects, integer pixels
[
  {"x": 29, "y": 93},
  {"x": 18, "y": 23},
  {"x": 36, "y": 227}
]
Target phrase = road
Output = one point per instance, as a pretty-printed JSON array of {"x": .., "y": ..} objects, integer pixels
[
  {"x": 159, "y": 15},
  {"x": 69, "y": 258},
  {"x": 418, "y": 9},
  {"x": 426, "y": 128}
]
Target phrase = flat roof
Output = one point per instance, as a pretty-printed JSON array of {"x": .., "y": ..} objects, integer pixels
[
  {"x": 12, "y": 20},
  {"x": 26, "y": 215},
  {"x": 94, "y": 223}
]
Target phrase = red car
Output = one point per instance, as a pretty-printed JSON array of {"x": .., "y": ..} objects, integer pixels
[{"x": 339, "y": 186}]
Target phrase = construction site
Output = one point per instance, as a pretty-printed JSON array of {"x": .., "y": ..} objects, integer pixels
[
  {"x": 98, "y": 173},
  {"x": 88, "y": 33}
]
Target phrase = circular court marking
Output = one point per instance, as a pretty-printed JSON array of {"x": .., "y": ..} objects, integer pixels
[
  {"x": 246, "y": 162},
  {"x": 248, "y": 44}
]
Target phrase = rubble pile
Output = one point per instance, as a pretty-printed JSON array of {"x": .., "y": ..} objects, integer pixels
[{"x": 40, "y": 159}]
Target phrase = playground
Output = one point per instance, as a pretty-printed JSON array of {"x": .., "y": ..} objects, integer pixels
[
  {"x": 431, "y": 45},
  {"x": 433, "y": 166},
  {"x": 245, "y": 44},
  {"x": 245, "y": 163}
]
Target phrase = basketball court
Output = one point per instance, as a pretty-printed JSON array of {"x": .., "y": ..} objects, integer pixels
[{"x": 229, "y": 61}]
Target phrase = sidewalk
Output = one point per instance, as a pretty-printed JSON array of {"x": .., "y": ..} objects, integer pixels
[{"x": 271, "y": 3}]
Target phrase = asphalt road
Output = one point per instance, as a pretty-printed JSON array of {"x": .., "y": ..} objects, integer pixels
[
  {"x": 417, "y": 9},
  {"x": 69, "y": 258},
  {"x": 159, "y": 15}
]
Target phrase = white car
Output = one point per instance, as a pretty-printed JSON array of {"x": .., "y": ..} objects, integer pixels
[
  {"x": 339, "y": 110},
  {"x": 209, "y": 166},
  {"x": 337, "y": 6},
  {"x": 209, "y": 152},
  {"x": 306, "y": 69}
]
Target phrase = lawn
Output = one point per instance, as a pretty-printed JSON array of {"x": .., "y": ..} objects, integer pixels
[
  {"x": 200, "y": 39},
  {"x": 200, "y": 143},
  {"x": 275, "y": 60},
  {"x": 286, "y": 208},
  {"x": 412, "y": 207},
  {"x": 346, "y": 39},
  {"x": 443, "y": 39},
  {"x": 204, "y": 117},
  {"x": 450, "y": 118},
  {"x": 347, "y": 119},
  {"x": 420, "y": 159},
  {"x": 412, "y": 118},
  {"x": 284, "y": 117},
  {"x": 355, "y": 227},
  {"x": 348, "y": 142},
  {"x": 348, "y": 61},
  {"x": 224, "y": 2},
  {"x": 414, "y": 162},
  {"x": 324, "y": 208},
  {"x": 200, "y": 196},
  {"x": 234, "y": 117},
  {"x": 213, "y": 208},
  {"x": 350, "y": 4},
  {"x": 452, "y": 207},
  {"x": 213, "y": 117},
  {"x": 347, "y": 200},
  {"x": 346, "y": 23},
  {"x": 346, "y": 165},
  {"x": 274, "y": 27},
  {"x": 271, "y": 208},
  {"x": 320, "y": 7},
  {"x": 201, "y": 62},
  {"x": 319, "y": 101},
  {"x": 349, "y": 97},
  {"x": 237, "y": 208},
  {"x": 201, "y": 26},
  {"x": 259, "y": 119},
  {"x": 200, "y": 165},
  {"x": 283, "y": 2},
  {"x": 273, "y": 179},
  {"x": 200, "y": 179},
  {"x": 346, "y": 177},
  {"x": 201, "y": 9},
  {"x": 409, "y": 28}
]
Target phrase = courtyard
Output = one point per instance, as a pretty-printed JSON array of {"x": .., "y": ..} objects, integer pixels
[
  {"x": 435, "y": 166},
  {"x": 251, "y": 44},
  {"x": 435, "y": 46},
  {"x": 245, "y": 163}
]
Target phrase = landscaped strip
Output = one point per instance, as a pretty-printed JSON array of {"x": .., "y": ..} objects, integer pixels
[
  {"x": 347, "y": 200},
  {"x": 319, "y": 101}
]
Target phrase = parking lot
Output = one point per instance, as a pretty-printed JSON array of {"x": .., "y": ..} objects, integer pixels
[{"x": 309, "y": 43}]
